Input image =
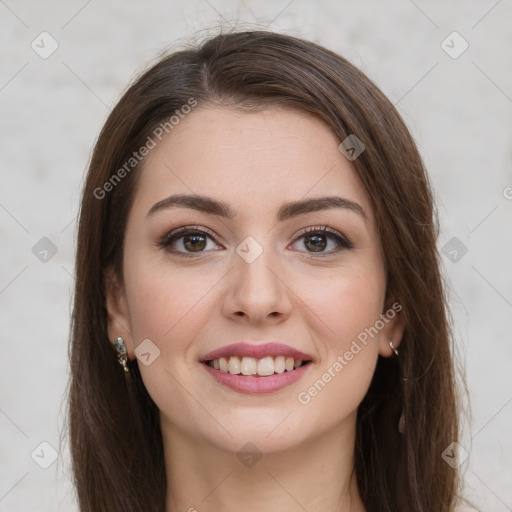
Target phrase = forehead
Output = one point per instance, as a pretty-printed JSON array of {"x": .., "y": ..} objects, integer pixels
[{"x": 249, "y": 159}]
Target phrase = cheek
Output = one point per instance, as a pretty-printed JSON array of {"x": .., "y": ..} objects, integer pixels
[
  {"x": 171, "y": 308},
  {"x": 349, "y": 356},
  {"x": 163, "y": 300},
  {"x": 346, "y": 302},
  {"x": 347, "y": 306}
]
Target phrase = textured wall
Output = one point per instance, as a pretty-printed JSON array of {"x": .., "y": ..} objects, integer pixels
[{"x": 456, "y": 100}]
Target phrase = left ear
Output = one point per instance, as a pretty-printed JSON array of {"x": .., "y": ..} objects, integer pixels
[{"x": 394, "y": 326}]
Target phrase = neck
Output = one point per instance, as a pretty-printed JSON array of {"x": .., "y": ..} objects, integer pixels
[{"x": 315, "y": 475}]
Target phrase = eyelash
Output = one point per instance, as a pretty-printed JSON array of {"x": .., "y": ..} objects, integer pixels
[{"x": 171, "y": 237}]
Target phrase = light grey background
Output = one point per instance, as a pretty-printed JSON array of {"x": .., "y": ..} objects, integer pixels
[{"x": 458, "y": 109}]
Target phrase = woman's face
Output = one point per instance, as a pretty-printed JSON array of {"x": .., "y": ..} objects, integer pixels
[{"x": 250, "y": 278}]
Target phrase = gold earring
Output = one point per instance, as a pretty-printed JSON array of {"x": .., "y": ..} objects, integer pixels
[
  {"x": 121, "y": 353},
  {"x": 392, "y": 346}
]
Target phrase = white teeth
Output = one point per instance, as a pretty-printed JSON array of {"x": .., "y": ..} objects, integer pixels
[
  {"x": 279, "y": 364},
  {"x": 251, "y": 366},
  {"x": 248, "y": 366},
  {"x": 266, "y": 366},
  {"x": 234, "y": 365},
  {"x": 223, "y": 364}
]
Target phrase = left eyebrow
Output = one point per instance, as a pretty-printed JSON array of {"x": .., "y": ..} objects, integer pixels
[
  {"x": 294, "y": 208},
  {"x": 286, "y": 211}
]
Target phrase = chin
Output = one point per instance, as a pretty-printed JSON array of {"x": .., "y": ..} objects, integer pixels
[{"x": 269, "y": 430}]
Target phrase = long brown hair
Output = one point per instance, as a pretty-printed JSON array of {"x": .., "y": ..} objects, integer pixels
[{"x": 114, "y": 432}]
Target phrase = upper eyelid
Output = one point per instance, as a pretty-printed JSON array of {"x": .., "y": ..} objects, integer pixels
[
  {"x": 301, "y": 232},
  {"x": 186, "y": 229}
]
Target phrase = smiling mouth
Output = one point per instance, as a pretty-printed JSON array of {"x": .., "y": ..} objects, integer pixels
[{"x": 251, "y": 366}]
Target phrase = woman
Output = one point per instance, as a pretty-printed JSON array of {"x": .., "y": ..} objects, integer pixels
[{"x": 257, "y": 244}]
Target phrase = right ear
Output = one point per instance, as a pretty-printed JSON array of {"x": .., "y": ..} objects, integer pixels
[{"x": 118, "y": 314}]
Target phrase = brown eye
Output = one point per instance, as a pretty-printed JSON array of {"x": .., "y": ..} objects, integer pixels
[
  {"x": 316, "y": 243},
  {"x": 322, "y": 240},
  {"x": 194, "y": 243},
  {"x": 187, "y": 242}
]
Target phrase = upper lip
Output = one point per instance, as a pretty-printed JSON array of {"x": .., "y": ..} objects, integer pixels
[{"x": 257, "y": 351}]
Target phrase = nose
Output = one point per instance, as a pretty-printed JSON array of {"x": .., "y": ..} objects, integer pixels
[{"x": 257, "y": 291}]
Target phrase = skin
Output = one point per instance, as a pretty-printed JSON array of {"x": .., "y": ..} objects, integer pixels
[{"x": 318, "y": 303}]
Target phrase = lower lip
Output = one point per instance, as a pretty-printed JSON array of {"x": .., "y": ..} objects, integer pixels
[{"x": 257, "y": 385}]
